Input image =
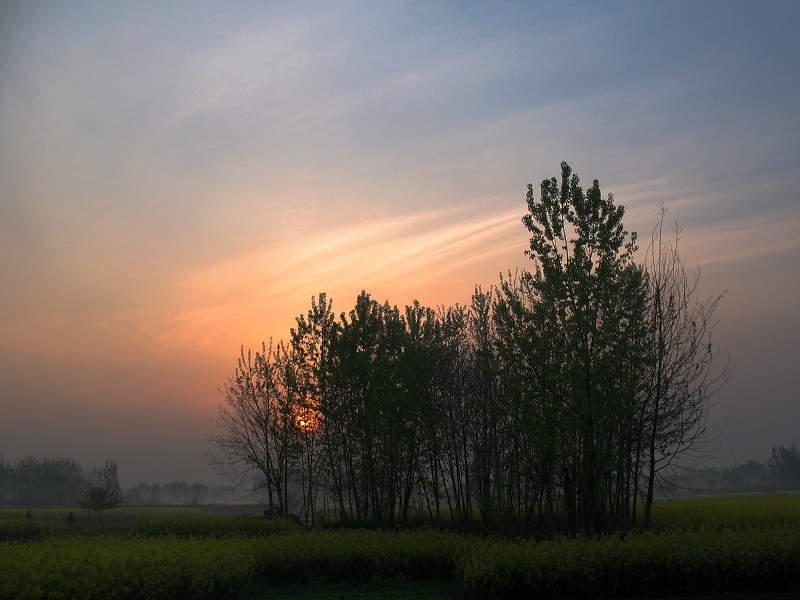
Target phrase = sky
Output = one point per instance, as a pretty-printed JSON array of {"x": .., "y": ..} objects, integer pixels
[{"x": 179, "y": 179}]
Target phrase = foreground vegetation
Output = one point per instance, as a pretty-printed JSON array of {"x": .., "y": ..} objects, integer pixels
[{"x": 746, "y": 543}]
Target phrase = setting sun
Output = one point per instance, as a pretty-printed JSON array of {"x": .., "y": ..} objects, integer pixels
[{"x": 306, "y": 419}]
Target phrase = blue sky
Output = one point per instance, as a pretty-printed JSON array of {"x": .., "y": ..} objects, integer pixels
[{"x": 178, "y": 179}]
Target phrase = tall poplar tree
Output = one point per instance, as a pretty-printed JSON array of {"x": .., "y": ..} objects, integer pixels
[{"x": 586, "y": 298}]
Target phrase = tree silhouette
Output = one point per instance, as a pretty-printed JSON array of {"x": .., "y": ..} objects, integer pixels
[
  {"x": 682, "y": 378},
  {"x": 257, "y": 436},
  {"x": 105, "y": 492},
  {"x": 577, "y": 318},
  {"x": 784, "y": 466},
  {"x": 551, "y": 404}
]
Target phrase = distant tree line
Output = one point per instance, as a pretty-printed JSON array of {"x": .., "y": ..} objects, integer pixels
[
  {"x": 58, "y": 482},
  {"x": 178, "y": 493},
  {"x": 42, "y": 482},
  {"x": 781, "y": 472},
  {"x": 35, "y": 482},
  {"x": 560, "y": 400}
]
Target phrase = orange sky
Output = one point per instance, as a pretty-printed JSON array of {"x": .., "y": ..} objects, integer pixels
[{"x": 179, "y": 181}]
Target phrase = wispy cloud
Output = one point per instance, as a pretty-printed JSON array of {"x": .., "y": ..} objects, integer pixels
[
  {"x": 747, "y": 238},
  {"x": 406, "y": 255}
]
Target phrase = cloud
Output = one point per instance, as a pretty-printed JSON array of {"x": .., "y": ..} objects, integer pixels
[
  {"x": 746, "y": 238},
  {"x": 405, "y": 255}
]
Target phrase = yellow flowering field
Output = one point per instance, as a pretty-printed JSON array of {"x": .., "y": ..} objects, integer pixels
[
  {"x": 703, "y": 545},
  {"x": 729, "y": 511},
  {"x": 106, "y": 566},
  {"x": 675, "y": 561},
  {"x": 135, "y": 566}
]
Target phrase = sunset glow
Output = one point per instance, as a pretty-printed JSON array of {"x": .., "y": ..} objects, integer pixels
[
  {"x": 179, "y": 180},
  {"x": 306, "y": 419}
]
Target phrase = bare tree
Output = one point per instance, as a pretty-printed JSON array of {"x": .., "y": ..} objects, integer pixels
[
  {"x": 256, "y": 442},
  {"x": 196, "y": 494},
  {"x": 684, "y": 376}
]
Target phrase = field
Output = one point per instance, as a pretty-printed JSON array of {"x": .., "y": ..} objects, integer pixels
[{"x": 701, "y": 546}]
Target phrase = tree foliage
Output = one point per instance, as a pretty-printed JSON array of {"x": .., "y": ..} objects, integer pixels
[{"x": 580, "y": 321}]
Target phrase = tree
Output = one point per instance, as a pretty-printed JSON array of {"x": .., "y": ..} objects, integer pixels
[
  {"x": 257, "y": 441},
  {"x": 155, "y": 494},
  {"x": 37, "y": 481},
  {"x": 180, "y": 492},
  {"x": 175, "y": 491},
  {"x": 309, "y": 358},
  {"x": 104, "y": 492},
  {"x": 486, "y": 387},
  {"x": 144, "y": 493},
  {"x": 752, "y": 474},
  {"x": 682, "y": 378},
  {"x": 583, "y": 313},
  {"x": 197, "y": 493},
  {"x": 554, "y": 404},
  {"x": 784, "y": 466},
  {"x": 134, "y": 496},
  {"x": 364, "y": 369},
  {"x": 6, "y": 481}
]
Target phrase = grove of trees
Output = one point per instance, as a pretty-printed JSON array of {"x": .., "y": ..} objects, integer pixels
[
  {"x": 781, "y": 472},
  {"x": 557, "y": 401},
  {"x": 57, "y": 482},
  {"x": 42, "y": 482}
]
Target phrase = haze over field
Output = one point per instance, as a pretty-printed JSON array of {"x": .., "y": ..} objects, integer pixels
[{"x": 178, "y": 180}]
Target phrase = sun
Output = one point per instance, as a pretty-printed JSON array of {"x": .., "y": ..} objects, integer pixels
[{"x": 306, "y": 419}]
